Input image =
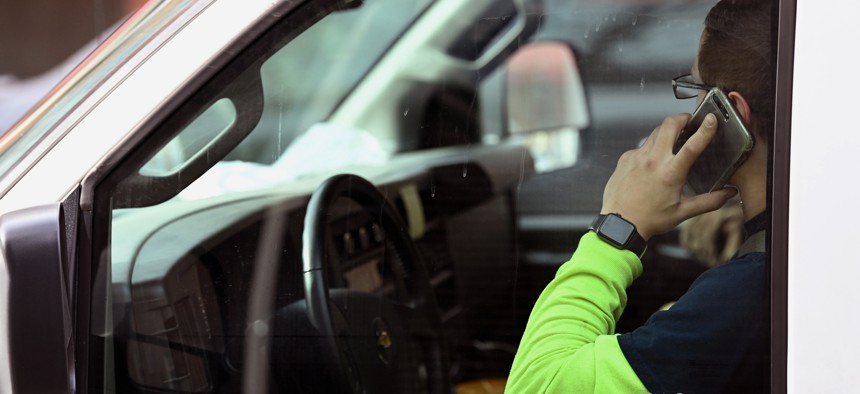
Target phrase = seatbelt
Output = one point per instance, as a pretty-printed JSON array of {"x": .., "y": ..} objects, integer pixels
[{"x": 755, "y": 243}]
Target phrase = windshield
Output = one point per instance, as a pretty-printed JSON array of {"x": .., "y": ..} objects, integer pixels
[{"x": 303, "y": 83}]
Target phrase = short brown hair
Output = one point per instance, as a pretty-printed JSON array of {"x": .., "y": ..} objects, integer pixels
[{"x": 737, "y": 53}]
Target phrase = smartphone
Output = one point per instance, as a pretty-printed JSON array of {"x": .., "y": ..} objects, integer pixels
[{"x": 727, "y": 150}]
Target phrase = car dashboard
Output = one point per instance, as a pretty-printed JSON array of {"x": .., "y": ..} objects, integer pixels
[{"x": 182, "y": 273}]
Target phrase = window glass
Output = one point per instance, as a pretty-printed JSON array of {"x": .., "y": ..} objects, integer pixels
[
  {"x": 307, "y": 79},
  {"x": 379, "y": 200}
]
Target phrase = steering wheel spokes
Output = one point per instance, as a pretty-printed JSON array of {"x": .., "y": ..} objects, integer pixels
[{"x": 381, "y": 344}]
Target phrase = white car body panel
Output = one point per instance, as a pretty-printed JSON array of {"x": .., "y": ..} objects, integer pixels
[{"x": 823, "y": 218}]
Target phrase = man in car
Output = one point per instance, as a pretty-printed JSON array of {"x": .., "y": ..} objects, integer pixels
[{"x": 713, "y": 339}]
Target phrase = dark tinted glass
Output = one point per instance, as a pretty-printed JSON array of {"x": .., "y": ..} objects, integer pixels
[{"x": 402, "y": 197}]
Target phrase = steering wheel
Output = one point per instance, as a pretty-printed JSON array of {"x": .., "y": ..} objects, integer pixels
[{"x": 379, "y": 344}]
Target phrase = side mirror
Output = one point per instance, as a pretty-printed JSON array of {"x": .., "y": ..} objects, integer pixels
[
  {"x": 544, "y": 89},
  {"x": 35, "y": 319},
  {"x": 546, "y": 104}
]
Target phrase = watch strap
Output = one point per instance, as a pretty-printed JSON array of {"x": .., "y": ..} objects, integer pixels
[{"x": 629, "y": 240}]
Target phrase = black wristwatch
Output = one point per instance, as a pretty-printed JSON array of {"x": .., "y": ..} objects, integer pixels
[{"x": 619, "y": 233}]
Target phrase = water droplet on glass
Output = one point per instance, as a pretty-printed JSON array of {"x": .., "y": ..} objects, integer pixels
[
  {"x": 642, "y": 84},
  {"x": 260, "y": 328},
  {"x": 465, "y": 170},
  {"x": 432, "y": 190},
  {"x": 406, "y": 112},
  {"x": 635, "y": 19}
]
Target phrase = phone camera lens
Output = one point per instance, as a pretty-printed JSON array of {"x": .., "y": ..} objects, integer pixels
[{"x": 722, "y": 108}]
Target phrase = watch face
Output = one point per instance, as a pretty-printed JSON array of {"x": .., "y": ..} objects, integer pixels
[{"x": 616, "y": 229}]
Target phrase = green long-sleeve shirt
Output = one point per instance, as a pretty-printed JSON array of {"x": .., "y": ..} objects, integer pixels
[{"x": 569, "y": 344}]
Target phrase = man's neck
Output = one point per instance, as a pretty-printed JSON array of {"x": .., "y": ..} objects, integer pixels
[
  {"x": 751, "y": 181},
  {"x": 752, "y": 185},
  {"x": 753, "y": 202}
]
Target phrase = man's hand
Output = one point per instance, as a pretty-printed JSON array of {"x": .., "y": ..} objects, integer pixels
[
  {"x": 714, "y": 237},
  {"x": 647, "y": 185}
]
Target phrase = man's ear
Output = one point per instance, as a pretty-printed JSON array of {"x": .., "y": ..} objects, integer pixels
[{"x": 741, "y": 105}]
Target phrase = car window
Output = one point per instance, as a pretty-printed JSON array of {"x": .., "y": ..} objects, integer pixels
[
  {"x": 309, "y": 77},
  {"x": 366, "y": 200}
]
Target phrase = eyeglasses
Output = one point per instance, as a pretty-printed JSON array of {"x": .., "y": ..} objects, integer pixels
[{"x": 685, "y": 87}]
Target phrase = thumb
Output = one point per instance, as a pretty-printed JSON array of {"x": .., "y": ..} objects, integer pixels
[{"x": 707, "y": 202}]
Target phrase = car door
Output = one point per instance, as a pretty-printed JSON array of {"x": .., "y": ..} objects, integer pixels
[{"x": 169, "y": 230}]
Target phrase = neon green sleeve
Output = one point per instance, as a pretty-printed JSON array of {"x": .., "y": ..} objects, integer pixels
[{"x": 568, "y": 345}]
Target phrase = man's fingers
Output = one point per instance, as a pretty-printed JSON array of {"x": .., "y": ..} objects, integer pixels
[
  {"x": 669, "y": 131},
  {"x": 697, "y": 205},
  {"x": 697, "y": 143},
  {"x": 648, "y": 145}
]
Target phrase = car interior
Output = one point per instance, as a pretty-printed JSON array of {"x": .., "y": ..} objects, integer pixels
[{"x": 372, "y": 195}]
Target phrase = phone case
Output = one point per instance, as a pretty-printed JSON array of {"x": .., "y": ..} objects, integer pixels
[{"x": 726, "y": 151}]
